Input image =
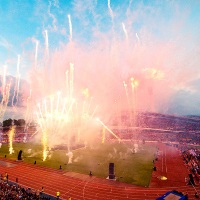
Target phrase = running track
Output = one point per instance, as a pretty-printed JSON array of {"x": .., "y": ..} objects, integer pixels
[{"x": 83, "y": 187}]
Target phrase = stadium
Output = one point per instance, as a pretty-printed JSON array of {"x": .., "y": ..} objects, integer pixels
[
  {"x": 173, "y": 148},
  {"x": 99, "y": 100}
]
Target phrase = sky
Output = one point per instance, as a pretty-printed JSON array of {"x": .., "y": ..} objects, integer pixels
[{"x": 155, "y": 42}]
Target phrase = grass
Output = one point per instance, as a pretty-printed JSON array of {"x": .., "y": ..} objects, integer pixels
[{"x": 133, "y": 168}]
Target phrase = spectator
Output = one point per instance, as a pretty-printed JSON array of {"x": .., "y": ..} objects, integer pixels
[
  {"x": 196, "y": 195},
  {"x": 90, "y": 173}
]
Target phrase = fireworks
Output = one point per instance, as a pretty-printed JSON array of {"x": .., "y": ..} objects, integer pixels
[
  {"x": 62, "y": 118},
  {"x": 109, "y": 130},
  {"x": 5, "y": 94},
  {"x": 70, "y": 27},
  {"x": 116, "y": 45},
  {"x": 11, "y": 134}
]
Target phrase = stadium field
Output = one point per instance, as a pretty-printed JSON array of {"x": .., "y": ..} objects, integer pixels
[{"x": 133, "y": 163}]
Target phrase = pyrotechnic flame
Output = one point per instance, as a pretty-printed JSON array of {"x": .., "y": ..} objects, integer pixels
[
  {"x": 44, "y": 142},
  {"x": 11, "y": 134}
]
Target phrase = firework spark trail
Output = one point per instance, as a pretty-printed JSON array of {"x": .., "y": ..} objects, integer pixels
[
  {"x": 67, "y": 82},
  {"x": 88, "y": 109},
  {"x": 46, "y": 45},
  {"x": 83, "y": 109},
  {"x": 63, "y": 116},
  {"x": 92, "y": 115},
  {"x": 130, "y": 106},
  {"x": 4, "y": 79},
  {"x": 92, "y": 10},
  {"x": 137, "y": 38},
  {"x": 71, "y": 81},
  {"x": 109, "y": 130},
  {"x": 127, "y": 96},
  {"x": 40, "y": 111},
  {"x": 134, "y": 85},
  {"x": 17, "y": 81},
  {"x": 15, "y": 88},
  {"x": 70, "y": 28},
  {"x": 45, "y": 120},
  {"x": 51, "y": 104},
  {"x": 3, "y": 84},
  {"x": 114, "y": 47},
  {"x": 36, "y": 53},
  {"x": 45, "y": 106},
  {"x": 53, "y": 17},
  {"x": 60, "y": 115},
  {"x": 103, "y": 135},
  {"x": 45, "y": 124},
  {"x": 110, "y": 10},
  {"x": 125, "y": 31},
  {"x": 64, "y": 106},
  {"x": 58, "y": 101},
  {"x": 5, "y": 99},
  {"x": 129, "y": 6},
  {"x": 5, "y": 94},
  {"x": 44, "y": 132},
  {"x": 83, "y": 116},
  {"x": 27, "y": 115}
]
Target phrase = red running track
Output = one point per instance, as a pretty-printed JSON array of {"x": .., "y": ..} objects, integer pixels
[{"x": 83, "y": 187}]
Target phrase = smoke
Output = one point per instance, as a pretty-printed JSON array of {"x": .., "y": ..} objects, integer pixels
[
  {"x": 151, "y": 46},
  {"x": 158, "y": 38}
]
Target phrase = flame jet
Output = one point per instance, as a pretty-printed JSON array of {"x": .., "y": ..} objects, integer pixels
[{"x": 10, "y": 138}]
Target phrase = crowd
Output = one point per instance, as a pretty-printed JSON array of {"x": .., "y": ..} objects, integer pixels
[
  {"x": 13, "y": 191},
  {"x": 192, "y": 160},
  {"x": 16, "y": 192}
]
